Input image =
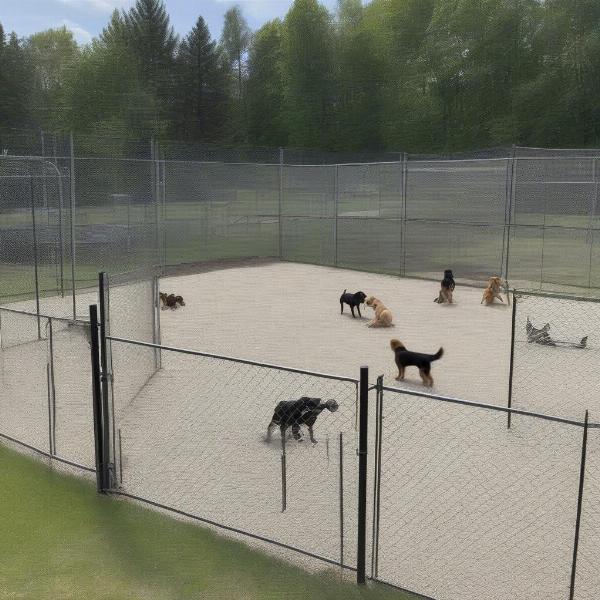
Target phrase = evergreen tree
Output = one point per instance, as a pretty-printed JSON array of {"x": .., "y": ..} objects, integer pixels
[
  {"x": 15, "y": 83},
  {"x": 201, "y": 106}
]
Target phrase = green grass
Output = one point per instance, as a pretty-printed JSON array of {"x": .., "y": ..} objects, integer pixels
[{"x": 60, "y": 539}]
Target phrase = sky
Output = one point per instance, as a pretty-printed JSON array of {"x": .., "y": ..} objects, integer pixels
[{"x": 86, "y": 18}]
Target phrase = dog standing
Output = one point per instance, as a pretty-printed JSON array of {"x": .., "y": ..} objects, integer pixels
[
  {"x": 446, "y": 288},
  {"x": 295, "y": 413},
  {"x": 383, "y": 315},
  {"x": 353, "y": 300},
  {"x": 492, "y": 291},
  {"x": 405, "y": 358}
]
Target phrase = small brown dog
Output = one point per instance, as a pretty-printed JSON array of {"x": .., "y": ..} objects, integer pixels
[
  {"x": 406, "y": 358},
  {"x": 383, "y": 315},
  {"x": 170, "y": 301},
  {"x": 492, "y": 291}
]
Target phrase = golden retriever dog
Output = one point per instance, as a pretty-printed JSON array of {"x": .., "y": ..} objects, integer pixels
[
  {"x": 383, "y": 315},
  {"x": 492, "y": 291}
]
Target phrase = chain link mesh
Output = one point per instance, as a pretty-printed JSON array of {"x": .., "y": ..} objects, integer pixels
[
  {"x": 193, "y": 439},
  {"x": 556, "y": 355},
  {"x": 471, "y": 509}
]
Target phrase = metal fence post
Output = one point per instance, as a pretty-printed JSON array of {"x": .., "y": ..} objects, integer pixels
[
  {"x": 105, "y": 380},
  {"x": 377, "y": 478},
  {"x": 579, "y": 506},
  {"x": 280, "y": 204},
  {"x": 72, "y": 207},
  {"x": 97, "y": 399},
  {"x": 341, "y": 490},
  {"x": 512, "y": 358},
  {"x": 283, "y": 473},
  {"x": 511, "y": 175},
  {"x": 403, "y": 199},
  {"x": 335, "y": 216},
  {"x": 35, "y": 252},
  {"x": 363, "y": 407}
]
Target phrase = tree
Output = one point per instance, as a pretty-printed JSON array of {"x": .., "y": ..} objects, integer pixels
[
  {"x": 308, "y": 74},
  {"x": 15, "y": 82},
  {"x": 53, "y": 53},
  {"x": 201, "y": 108},
  {"x": 235, "y": 40},
  {"x": 265, "y": 87}
]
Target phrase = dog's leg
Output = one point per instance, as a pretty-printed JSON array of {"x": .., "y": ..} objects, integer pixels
[
  {"x": 352, "y": 310},
  {"x": 499, "y": 297},
  {"x": 425, "y": 377},
  {"x": 296, "y": 432},
  {"x": 358, "y": 309},
  {"x": 269, "y": 428},
  {"x": 311, "y": 435},
  {"x": 341, "y": 307},
  {"x": 400, "y": 374}
]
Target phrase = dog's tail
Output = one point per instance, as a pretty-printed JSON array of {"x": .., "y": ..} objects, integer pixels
[
  {"x": 395, "y": 344},
  {"x": 343, "y": 295},
  {"x": 438, "y": 354}
]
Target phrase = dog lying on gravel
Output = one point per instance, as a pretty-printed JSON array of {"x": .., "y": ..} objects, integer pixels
[{"x": 170, "y": 301}]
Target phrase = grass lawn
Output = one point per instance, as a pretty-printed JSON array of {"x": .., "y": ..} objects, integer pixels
[{"x": 60, "y": 539}]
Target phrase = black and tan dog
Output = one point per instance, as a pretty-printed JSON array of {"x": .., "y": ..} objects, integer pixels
[
  {"x": 353, "y": 300},
  {"x": 447, "y": 286},
  {"x": 406, "y": 358}
]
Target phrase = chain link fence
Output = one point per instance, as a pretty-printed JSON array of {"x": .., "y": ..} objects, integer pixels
[
  {"x": 555, "y": 353},
  {"x": 79, "y": 207},
  {"x": 194, "y": 440},
  {"x": 45, "y": 379},
  {"x": 470, "y": 509}
]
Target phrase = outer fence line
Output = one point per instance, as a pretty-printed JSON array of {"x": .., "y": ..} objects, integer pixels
[{"x": 579, "y": 507}]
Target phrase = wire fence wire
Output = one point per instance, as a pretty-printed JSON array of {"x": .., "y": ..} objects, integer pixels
[
  {"x": 470, "y": 509},
  {"x": 68, "y": 213},
  {"x": 556, "y": 353},
  {"x": 193, "y": 439},
  {"x": 44, "y": 386}
]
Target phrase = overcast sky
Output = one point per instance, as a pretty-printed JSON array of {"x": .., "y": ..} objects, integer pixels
[{"x": 86, "y": 18}]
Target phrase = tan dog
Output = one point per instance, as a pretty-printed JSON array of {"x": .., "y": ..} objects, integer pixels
[
  {"x": 383, "y": 315},
  {"x": 492, "y": 291}
]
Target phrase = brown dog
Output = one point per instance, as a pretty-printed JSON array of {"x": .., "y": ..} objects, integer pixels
[
  {"x": 492, "y": 291},
  {"x": 383, "y": 315}
]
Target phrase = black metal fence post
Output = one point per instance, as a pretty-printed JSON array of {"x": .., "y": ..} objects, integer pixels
[
  {"x": 341, "y": 490},
  {"x": 579, "y": 506},
  {"x": 104, "y": 378},
  {"x": 363, "y": 432},
  {"x": 97, "y": 399},
  {"x": 283, "y": 473},
  {"x": 512, "y": 359}
]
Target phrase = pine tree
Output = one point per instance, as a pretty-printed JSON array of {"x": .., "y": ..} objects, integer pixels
[{"x": 201, "y": 105}]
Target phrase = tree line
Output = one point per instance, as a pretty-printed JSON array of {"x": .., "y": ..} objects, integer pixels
[{"x": 414, "y": 75}]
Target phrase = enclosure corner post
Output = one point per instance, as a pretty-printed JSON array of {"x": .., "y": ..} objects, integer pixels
[
  {"x": 97, "y": 400},
  {"x": 512, "y": 358},
  {"x": 363, "y": 407},
  {"x": 579, "y": 506}
]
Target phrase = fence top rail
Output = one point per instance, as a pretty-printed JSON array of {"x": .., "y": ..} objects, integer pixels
[
  {"x": 232, "y": 359},
  {"x": 42, "y": 316},
  {"x": 556, "y": 295},
  {"x": 492, "y": 407}
]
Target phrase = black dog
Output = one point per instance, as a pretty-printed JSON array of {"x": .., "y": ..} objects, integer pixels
[
  {"x": 295, "y": 413},
  {"x": 405, "y": 358},
  {"x": 446, "y": 288},
  {"x": 353, "y": 300}
]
